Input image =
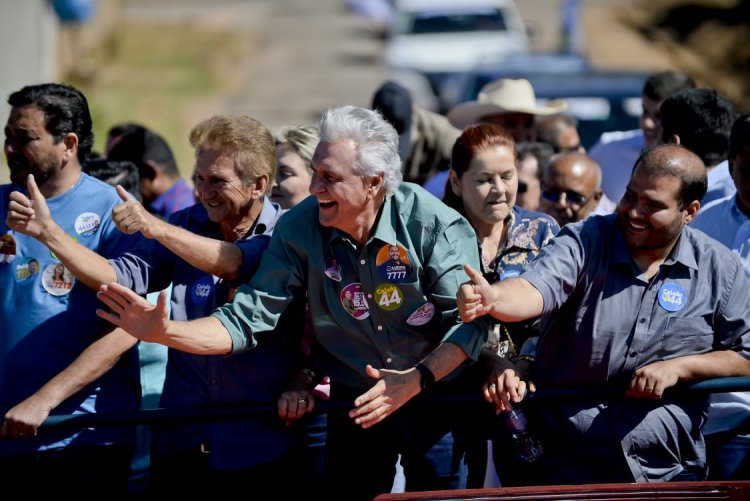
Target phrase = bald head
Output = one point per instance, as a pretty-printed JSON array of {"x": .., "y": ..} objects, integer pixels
[
  {"x": 571, "y": 187},
  {"x": 674, "y": 160}
]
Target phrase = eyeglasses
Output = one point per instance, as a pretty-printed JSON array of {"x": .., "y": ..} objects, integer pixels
[
  {"x": 522, "y": 187},
  {"x": 571, "y": 197}
]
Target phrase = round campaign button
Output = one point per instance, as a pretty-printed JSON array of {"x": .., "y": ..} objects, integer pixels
[
  {"x": 201, "y": 289},
  {"x": 672, "y": 296},
  {"x": 87, "y": 223},
  {"x": 354, "y": 302},
  {"x": 422, "y": 315}
]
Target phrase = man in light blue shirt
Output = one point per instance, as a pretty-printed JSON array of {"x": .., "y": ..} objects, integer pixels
[{"x": 727, "y": 220}]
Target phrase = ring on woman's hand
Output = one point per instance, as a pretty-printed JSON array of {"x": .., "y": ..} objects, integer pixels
[{"x": 302, "y": 401}]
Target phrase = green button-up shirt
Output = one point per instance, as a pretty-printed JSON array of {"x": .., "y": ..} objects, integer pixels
[{"x": 365, "y": 306}]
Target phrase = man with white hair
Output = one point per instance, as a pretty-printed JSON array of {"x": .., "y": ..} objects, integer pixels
[{"x": 383, "y": 338}]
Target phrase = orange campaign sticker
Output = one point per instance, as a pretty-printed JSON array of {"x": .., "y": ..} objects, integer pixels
[{"x": 393, "y": 263}]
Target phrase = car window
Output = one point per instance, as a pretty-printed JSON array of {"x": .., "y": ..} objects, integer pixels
[{"x": 432, "y": 22}]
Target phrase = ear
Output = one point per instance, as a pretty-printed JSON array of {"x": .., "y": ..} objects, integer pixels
[
  {"x": 691, "y": 211},
  {"x": 674, "y": 139},
  {"x": 598, "y": 194},
  {"x": 70, "y": 141},
  {"x": 455, "y": 182},
  {"x": 260, "y": 186},
  {"x": 376, "y": 182}
]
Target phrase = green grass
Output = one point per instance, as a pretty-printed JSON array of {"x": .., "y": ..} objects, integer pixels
[{"x": 166, "y": 77}]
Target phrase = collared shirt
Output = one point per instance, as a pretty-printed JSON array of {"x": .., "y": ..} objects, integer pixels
[
  {"x": 45, "y": 323},
  {"x": 729, "y": 409},
  {"x": 720, "y": 183},
  {"x": 603, "y": 319},
  {"x": 259, "y": 376},
  {"x": 723, "y": 220},
  {"x": 616, "y": 153},
  {"x": 363, "y": 311},
  {"x": 179, "y": 196}
]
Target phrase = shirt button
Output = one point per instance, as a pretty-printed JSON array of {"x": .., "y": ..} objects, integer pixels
[
  {"x": 633, "y": 354},
  {"x": 380, "y": 327},
  {"x": 362, "y": 261},
  {"x": 643, "y": 320},
  {"x": 389, "y": 360},
  {"x": 369, "y": 296}
]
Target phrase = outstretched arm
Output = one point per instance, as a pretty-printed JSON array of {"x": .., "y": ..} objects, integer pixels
[
  {"x": 511, "y": 300},
  {"x": 131, "y": 312},
  {"x": 31, "y": 216},
  {"x": 24, "y": 419},
  {"x": 217, "y": 257}
]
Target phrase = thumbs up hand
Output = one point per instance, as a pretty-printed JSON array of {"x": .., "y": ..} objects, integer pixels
[
  {"x": 131, "y": 217},
  {"x": 475, "y": 297},
  {"x": 29, "y": 214}
]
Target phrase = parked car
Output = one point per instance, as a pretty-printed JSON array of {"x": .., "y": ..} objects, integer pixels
[
  {"x": 601, "y": 100},
  {"x": 439, "y": 38}
]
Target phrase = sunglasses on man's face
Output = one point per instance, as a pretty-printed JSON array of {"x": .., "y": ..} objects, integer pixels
[
  {"x": 571, "y": 197},
  {"x": 522, "y": 187}
]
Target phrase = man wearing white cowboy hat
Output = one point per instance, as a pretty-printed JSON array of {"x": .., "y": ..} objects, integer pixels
[{"x": 506, "y": 102}]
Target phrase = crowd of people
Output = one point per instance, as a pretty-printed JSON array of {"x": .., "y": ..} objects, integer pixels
[{"x": 362, "y": 276}]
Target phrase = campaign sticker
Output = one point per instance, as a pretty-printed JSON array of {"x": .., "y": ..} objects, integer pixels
[
  {"x": 393, "y": 263},
  {"x": 27, "y": 270},
  {"x": 389, "y": 297},
  {"x": 354, "y": 302},
  {"x": 87, "y": 223},
  {"x": 422, "y": 315},
  {"x": 333, "y": 269},
  {"x": 201, "y": 290},
  {"x": 672, "y": 297},
  {"x": 57, "y": 280},
  {"x": 7, "y": 248}
]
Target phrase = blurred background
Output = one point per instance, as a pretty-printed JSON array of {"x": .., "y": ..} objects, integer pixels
[{"x": 170, "y": 63}]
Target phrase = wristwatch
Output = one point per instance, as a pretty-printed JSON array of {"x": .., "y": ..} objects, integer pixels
[{"x": 427, "y": 378}]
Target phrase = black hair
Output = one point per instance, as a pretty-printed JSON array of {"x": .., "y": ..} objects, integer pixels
[
  {"x": 65, "y": 110},
  {"x": 114, "y": 172},
  {"x": 702, "y": 118},
  {"x": 660, "y": 86},
  {"x": 139, "y": 144}
]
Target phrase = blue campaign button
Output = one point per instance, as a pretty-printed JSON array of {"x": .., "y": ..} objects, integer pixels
[{"x": 672, "y": 297}]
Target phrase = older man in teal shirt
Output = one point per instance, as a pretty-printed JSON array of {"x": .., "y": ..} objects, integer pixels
[{"x": 382, "y": 338}]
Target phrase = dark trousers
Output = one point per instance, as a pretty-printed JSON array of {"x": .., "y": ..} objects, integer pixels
[
  {"x": 189, "y": 474},
  {"x": 361, "y": 463},
  {"x": 73, "y": 471}
]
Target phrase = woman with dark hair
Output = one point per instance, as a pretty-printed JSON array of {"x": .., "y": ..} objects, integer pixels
[{"x": 483, "y": 185}]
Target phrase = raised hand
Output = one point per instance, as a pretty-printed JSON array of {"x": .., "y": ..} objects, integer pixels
[
  {"x": 132, "y": 217},
  {"x": 30, "y": 214},
  {"x": 475, "y": 297}
]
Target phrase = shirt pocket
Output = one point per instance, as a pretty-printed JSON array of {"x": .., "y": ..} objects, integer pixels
[{"x": 687, "y": 336}]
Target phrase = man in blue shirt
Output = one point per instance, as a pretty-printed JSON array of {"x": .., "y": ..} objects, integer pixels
[
  {"x": 52, "y": 347},
  {"x": 633, "y": 303},
  {"x": 206, "y": 251},
  {"x": 728, "y": 221}
]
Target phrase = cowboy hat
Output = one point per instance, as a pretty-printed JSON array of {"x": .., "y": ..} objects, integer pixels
[{"x": 502, "y": 96}]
